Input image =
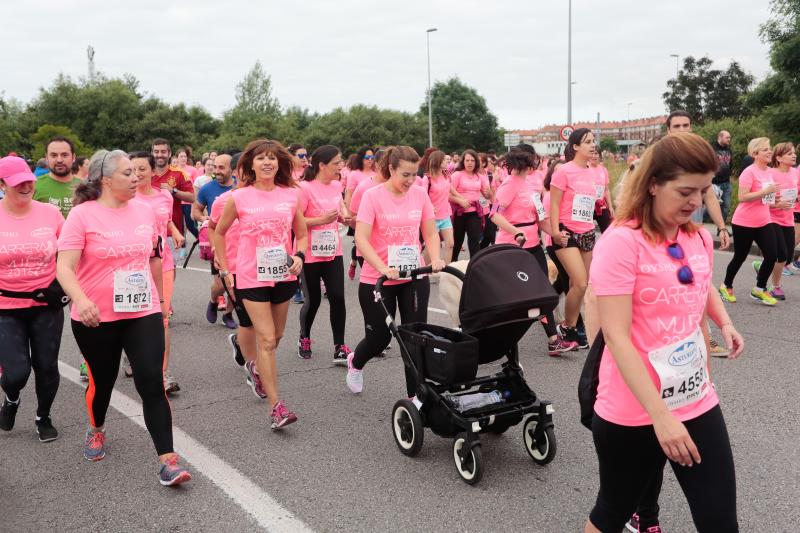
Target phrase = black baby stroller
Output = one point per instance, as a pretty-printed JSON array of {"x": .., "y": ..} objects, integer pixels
[{"x": 504, "y": 292}]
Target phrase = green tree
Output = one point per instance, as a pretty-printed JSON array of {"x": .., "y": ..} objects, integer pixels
[
  {"x": 48, "y": 131},
  {"x": 607, "y": 144},
  {"x": 461, "y": 118},
  {"x": 707, "y": 93},
  {"x": 742, "y": 131},
  {"x": 10, "y": 138},
  {"x": 254, "y": 93}
]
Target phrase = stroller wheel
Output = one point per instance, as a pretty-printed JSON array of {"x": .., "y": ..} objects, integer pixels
[
  {"x": 541, "y": 448},
  {"x": 407, "y": 427},
  {"x": 471, "y": 469}
]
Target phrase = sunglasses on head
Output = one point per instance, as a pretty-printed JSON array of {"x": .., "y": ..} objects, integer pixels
[
  {"x": 685, "y": 274},
  {"x": 369, "y": 157}
]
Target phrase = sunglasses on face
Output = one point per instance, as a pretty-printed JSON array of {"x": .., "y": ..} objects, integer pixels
[
  {"x": 685, "y": 274},
  {"x": 369, "y": 157},
  {"x": 302, "y": 156}
]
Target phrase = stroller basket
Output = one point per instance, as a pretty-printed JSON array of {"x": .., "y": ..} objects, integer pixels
[{"x": 443, "y": 355}]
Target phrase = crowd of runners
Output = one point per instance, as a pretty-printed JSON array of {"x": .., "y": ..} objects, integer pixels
[{"x": 277, "y": 224}]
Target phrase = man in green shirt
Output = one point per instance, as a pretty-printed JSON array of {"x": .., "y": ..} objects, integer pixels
[{"x": 57, "y": 186}]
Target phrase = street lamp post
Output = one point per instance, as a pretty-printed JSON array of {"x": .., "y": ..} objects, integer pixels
[
  {"x": 430, "y": 112},
  {"x": 677, "y": 68},
  {"x": 569, "y": 65},
  {"x": 629, "y": 111}
]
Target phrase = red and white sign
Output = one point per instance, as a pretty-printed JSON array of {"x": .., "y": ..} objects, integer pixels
[{"x": 566, "y": 131}]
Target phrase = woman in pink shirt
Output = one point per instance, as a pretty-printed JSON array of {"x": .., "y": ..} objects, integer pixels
[
  {"x": 109, "y": 263},
  {"x": 30, "y": 329},
  {"x": 655, "y": 401},
  {"x": 603, "y": 207},
  {"x": 471, "y": 192},
  {"x": 362, "y": 169},
  {"x": 784, "y": 175},
  {"x": 267, "y": 208},
  {"x": 439, "y": 191},
  {"x": 572, "y": 199},
  {"x": 323, "y": 208},
  {"x": 389, "y": 222},
  {"x": 299, "y": 160},
  {"x": 160, "y": 201},
  {"x": 518, "y": 213},
  {"x": 752, "y": 222}
]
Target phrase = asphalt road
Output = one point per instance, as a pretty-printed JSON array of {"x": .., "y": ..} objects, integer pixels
[{"x": 338, "y": 468}]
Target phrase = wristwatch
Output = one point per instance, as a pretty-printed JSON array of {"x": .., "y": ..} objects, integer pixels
[
  {"x": 720, "y": 230},
  {"x": 301, "y": 255},
  {"x": 174, "y": 191}
]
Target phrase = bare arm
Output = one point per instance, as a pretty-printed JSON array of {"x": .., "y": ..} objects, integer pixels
[
  {"x": 197, "y": 212},
  {"x": 66, "y": 267},
  {"x": 363, "y": 235}
]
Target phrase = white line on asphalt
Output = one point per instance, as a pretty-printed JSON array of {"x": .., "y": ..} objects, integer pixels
[
  {"x": 437, "y": 310},
  {"x": 267, "y": 512},
  {"x": 207, "y": 271}
]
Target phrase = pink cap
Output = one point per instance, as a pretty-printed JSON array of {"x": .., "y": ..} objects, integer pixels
[{"x": 14, "y": 170}]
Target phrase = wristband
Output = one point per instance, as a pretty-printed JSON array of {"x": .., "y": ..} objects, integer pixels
[
  {"x": 223, "y": 274},
  {"x": 720, "y": 230},
  {"x": 161, "y": 301},
  {"x": 301, "y": 255}
]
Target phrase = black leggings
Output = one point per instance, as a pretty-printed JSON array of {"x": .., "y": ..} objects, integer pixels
[
  {"x": 489, "y": 233},
  {"x": 332, "y": 273},
  {"x": 412, "y": 300},
  {"x": 550, "y": 326},
  {"x": 603, "y": 219},
  {"x": 785, "y": 237},
  {"x": 143, "y": 341},
  {"x": 630, "y": 457},
  {"x": 30, "y": 339},
  {"x": 743, "y": 238},
  {"x": 469, "y": 224}
]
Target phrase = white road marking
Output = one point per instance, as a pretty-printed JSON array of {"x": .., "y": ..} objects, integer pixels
[
  {"x": 437, "y": 310},
  {"x": 267, "y": 512},
  {"x": 207, "y": 271}
]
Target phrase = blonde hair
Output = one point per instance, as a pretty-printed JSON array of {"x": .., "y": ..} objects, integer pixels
[
  {"x": 665, "y": 160},
  {"x": 755, "y": 145}
]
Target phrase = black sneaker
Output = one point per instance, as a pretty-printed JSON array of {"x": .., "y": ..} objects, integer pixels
[
  {"x": 568, "y": 333},
  {"x": 237, "y": 352},
  {"x": 8, "y": 413},
  {"x": 304, "y": 348},
  {"x": 45, "y": 429},
  {"x": 340, "y": 356}
]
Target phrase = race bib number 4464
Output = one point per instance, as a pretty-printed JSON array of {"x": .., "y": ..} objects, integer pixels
[
  {"x": 324, "y": 242},
  {"x": 271, "y": 264},
  {"x": 682, "y": 370},
  {"x": 132, "y": 291}
]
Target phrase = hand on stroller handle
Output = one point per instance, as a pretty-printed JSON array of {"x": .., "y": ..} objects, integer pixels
[{"x": 405, "y": 274}]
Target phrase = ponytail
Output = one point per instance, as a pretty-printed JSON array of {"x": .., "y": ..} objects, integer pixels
[
  {"x": 102, "y": 163},
  {"x": 392, "y": 157}
]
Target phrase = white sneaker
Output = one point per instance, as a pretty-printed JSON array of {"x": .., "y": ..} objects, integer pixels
[
  {"x": 126, "y": 367},
  {"x": 355, "y": 378},
  {"x": 170, "y": 385}
]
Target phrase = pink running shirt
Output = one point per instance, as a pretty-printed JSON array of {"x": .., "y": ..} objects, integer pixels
[
  {"x": 576, "y": 210},
  {"x": 161, "y": 204},
  {"x": 28, "y": 246},
  {"x": 316, "y": 199},
  {"x": 753, "y": 214},
  {"x": 395, "y": 221},
  {"x": 354, "y": 177},
  {"x": 111, "y": 240},
  {"x": 786, "y": 183},
  {"x": 515, "y": 201},
  {"x": 232, "y": 236},
  {"x": 439, "y": 193},
  {"x": 265, "y": 223},
  {"x": 664, "y": 312},
  {"x": 470, "y": 186}
]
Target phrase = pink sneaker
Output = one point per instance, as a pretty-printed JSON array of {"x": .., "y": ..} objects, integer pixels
[
  {"x": 351, "y": 272},
  {"x": 355, "y": 378},
  {"x": 254, "y": 379},
  {"x": 281, "y": 416}
]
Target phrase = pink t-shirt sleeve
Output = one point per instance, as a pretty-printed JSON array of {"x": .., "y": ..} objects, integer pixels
[
  {"x": 366, "y": 213},
  {"x": 613, "y": 269},
  {"x": 73, "y": 232},
  {"x": 485, "y": 182},
  {"x": 427, "y": 209}
]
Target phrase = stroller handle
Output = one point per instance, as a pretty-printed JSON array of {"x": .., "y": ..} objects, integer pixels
[{"x": 413, "y": 274}]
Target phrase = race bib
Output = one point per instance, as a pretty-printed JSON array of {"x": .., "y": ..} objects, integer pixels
[
  {"x": 404, "y": 257},
  {"x": 599, "y": 191},
  {"x": 770, "y": 198},
  {"x": 271, "y": 264},
  {"x": 789, "y": 195},
  {"x": 582, "y": 208},
  {"x": 132, "y": 291},
  {"x": 681, "y": 367},
  {"x": 537, "y": 202},
  {"x": 484, "y": 202},
  {"x": 324, "y": 242}
]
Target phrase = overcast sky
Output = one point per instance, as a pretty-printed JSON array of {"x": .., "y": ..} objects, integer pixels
[{"x": 322, "y": 54}]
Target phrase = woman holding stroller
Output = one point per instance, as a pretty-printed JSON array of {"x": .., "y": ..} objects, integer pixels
[
  {"x": 518, "y": 212},
  {"x": 655, "y": 401},
  {"x": 389, "y": 221}
]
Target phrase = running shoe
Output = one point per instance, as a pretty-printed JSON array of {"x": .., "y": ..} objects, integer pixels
[
  {"x": 559, "y": 346},
  {"x": 351, "y": 272},
  {"x": 211, "y": 312},
  {"x": 794, "y": 266},
  {"x": 787, "y": 271},
  {"x": 567, "y": 333},
  {"x": 340, "y": 354},
  {"x": 757, "y": 265},
  {"x": 170, "y": 385},
  {"x": 45, "y": 429},
  {"x": 84, "y": 374},
  {"x": 304, "y": 348},
  {"x": 355, "y": 378},
  {"x": 94, "y": 446},
  {"x": 717, "y": 350},
  {"x": 238, "y": 357},
  {"x": 254, "y": 379},
  {"x": 633, "y": 524},
  {"x": 281, "y": 416},
  {"x": 228, "y": 320},
  {"x": 727, "y": 294},
  {"x": 298, "y": 297},
  {"x": 8, "y": 413},
  {"x": 126, "y": 367},
  {"x": 170, "y": 474},
  {"x": 322, "y": 289},
  {"x": 221, "y": 303},
  {"x": 762, "y": 296},
  {"x": 777, "y": 293}
]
